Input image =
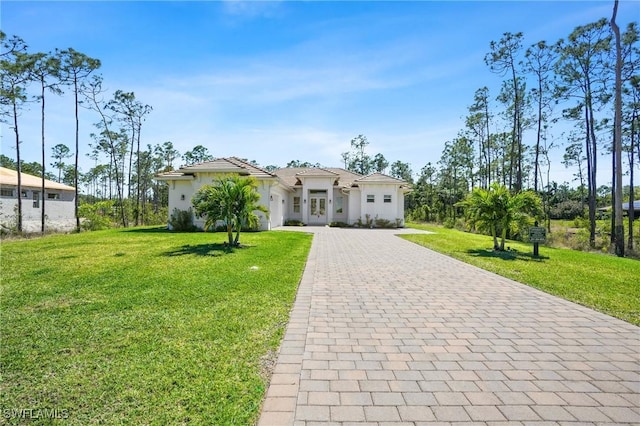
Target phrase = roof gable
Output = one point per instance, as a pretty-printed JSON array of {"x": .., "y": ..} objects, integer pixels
[
  {"x": 316, "y": 172},
  {"x": 291, "y": 175},
  {"x": 380, "y": 178},
  {"x": 231, "y": 165}
]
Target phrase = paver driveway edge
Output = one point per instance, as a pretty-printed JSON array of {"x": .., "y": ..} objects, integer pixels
[
  {"x": 281, "y": 398},
  {"x": 384, "y": 331}
]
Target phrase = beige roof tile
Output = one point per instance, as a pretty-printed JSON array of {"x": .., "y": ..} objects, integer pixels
[
  {"x": 218, "y": 165},
  {"x": 290, "y": 175},
  {"x": 9, "y": 177},
  {"x": 379, "y": 178}
]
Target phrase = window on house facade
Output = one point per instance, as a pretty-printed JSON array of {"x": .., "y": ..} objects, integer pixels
[
  {"x": 296, "y": 204},
  {"x": 371, "y": 198},
  {"x": 182, "y": 197},
  {"x": 24, "y": 194},
  {"x": 36, "y": 200},
  {"x": 338, "y": 205},
  {"x": 6, "y": 192},
  {"x": 54, "y": 196},
  {"x": 387, "y": 198}
]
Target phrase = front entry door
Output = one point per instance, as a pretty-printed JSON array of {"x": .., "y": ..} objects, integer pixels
[{"x": 318, "y": 210}]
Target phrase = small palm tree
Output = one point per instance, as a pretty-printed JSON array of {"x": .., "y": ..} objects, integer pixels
[
  {"x": 481, "y": 211},
  {"x": 232, "y": 200},
  {"x": 496, "y": 209},
  {"x": 247, "y": 205}
]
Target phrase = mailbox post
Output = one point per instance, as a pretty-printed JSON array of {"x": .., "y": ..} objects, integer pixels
[{"x": 537, "y": 235}]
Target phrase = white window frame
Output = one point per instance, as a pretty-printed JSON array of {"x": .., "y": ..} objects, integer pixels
[
  {"x": 339, "y": 201},
  {"x": 36, "y": 199}
]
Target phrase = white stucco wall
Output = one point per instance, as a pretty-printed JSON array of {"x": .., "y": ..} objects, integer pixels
[
  {"x": 278, "y": 206},
  {"x": 378, "y": 208},
  {"x": 289, "y": 213},
  {"x": 319, "y": 184},
  {"x": 181, "y": 193},
  {"x": 354, "y": 205},
  {"x": 59, "y": 213},
  {"x": 337, "y": 216}
]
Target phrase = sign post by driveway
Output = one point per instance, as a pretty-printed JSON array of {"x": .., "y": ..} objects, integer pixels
[{"x": 537, "y": 235}]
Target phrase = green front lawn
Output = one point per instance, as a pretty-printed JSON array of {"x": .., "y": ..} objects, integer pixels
[
  {"x": 144, "y": 326},
  {"x": 602, "y": 282}
]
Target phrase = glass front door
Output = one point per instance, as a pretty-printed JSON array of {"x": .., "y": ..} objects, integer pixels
[{"x": 318, "y": 210}]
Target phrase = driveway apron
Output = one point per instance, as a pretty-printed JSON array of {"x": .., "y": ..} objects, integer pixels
[{"x": 386, "y": 332}]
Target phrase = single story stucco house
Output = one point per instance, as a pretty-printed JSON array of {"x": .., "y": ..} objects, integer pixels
[
  {"x": 313, "y": 196},
  {"x": 59, "y": 202}
]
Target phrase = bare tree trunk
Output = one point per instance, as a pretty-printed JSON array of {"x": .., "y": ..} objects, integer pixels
[
  {"x": 619, "y": 227},
  {"x": 631, "y": 198},
  {"x": 631, "y": 183},
  {"x": 538, "y": 138},
  {"x": 137, "y": 212},
  {"x": 590, "y": 187},
  {"x": 18, "y": 166},
  {"x": 133, "y": 137},
  {"x": 75, "y": 174},
  {"x": 42, "y": 213},
  {"x": 612, "y": 237},
  {"x": 486, "y": 111}
]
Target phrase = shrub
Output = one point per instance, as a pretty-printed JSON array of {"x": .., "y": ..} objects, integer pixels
[
  {"x": 339, "y": 225},
  {"x": 97, "y": 216},
  {"x": 9, "y": 223},
  {"x": 569, "y": 209},
  {"x": 182, "y": 221},
  {"x": 367, "y": 223},
  {"x": 420, "y": 213},
  {"x": 293, "y": 222},
  {"x": 384, "y": 223}
]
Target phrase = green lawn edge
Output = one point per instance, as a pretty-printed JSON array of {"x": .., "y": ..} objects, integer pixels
[
  {"x": 602, "y": 282},
  {"x": 144, "y": 326}
]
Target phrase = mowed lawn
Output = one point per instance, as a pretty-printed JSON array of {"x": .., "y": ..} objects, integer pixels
[
  {"x": 144, "y": 326},
  {"x": 603, "y": 282}
]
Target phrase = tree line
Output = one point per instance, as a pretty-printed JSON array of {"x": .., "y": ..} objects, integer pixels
[
  {"x": 121, "y": 180},
  {"x": 546, "y": 87}
]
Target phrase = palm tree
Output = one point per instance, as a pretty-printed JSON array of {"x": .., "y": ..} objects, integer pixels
[
  {"x": 247, "y": 205},
  {"x": 481, "y": 212},
  {"x": 496, "y": 209},
  {"x": 232, "y": 200}
]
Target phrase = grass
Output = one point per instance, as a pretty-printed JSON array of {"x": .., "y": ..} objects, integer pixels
[
  {"x": 602, "y": 282},
  {"x": 145, "y": 326}
]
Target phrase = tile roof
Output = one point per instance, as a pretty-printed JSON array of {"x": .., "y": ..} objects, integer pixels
[
  {"x": 218, "y": 165},
  {"x": 290, "y": 175},
  {"x": 10, "y": 177},
  {"x": 379, "y": 178}
]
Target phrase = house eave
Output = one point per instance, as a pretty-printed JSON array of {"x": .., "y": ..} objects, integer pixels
[{"x": 174, "y": 177}]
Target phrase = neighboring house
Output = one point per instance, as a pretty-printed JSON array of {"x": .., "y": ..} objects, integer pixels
[
  {"x": 636, "y": 208},
  {"x": 59, "y": 202},
  {"x": 313, "y": 196}
]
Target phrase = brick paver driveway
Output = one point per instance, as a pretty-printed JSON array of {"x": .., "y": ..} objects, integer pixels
[{"x": 384, "y": 331}]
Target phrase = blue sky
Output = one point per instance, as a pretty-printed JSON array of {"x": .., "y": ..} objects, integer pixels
[{"x": 278, "y": 81}]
